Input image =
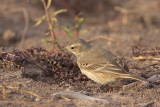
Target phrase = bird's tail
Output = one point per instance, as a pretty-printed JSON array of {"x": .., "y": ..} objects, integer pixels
[{"x": 135, "y": 77}]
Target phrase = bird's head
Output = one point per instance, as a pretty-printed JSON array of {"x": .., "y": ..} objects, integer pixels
[{"x": 76, "y": 46}]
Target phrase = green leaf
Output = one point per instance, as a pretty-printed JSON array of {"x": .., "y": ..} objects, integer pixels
[
  {"x": 48, "y": 33},
  {"x": 49, "y": 3},
  {"x": 69, "y": 33},
  {"x": 58, "y": 12},
  {"x": 39, "y": 20},
  {"x": 80, "y": 24},
  {"x": 53, "y": 19},
  {"x": 43, "y": 17},
  {"x": 45, "y": 40},
  {"x": 83, "y": 32},
  {"x": 37, "y": 23}
]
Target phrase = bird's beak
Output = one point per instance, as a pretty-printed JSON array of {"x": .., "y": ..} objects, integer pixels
[{"x": 63, "y": 49}]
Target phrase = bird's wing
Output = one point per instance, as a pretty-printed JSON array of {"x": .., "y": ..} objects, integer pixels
[
  {"x": 106, "y": 63},
  {"x": 102, "y": 68},
  {"x": 116, "y": 61}
]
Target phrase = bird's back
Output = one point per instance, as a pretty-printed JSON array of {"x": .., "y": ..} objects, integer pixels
[{"x": 100, "y": 57}]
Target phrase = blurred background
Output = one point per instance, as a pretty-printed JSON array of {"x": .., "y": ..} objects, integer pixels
[
  {"x": 129, "y": 21},
  {"x": 128, "y": 28}
]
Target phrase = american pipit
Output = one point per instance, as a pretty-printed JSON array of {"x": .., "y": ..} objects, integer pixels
[{"x": 99, "y": 64}]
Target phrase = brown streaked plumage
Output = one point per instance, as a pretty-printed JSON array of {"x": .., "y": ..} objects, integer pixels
[{"x": 99, "y": 64}]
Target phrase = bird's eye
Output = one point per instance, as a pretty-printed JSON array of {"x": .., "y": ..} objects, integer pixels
[{"x": 72, "y": 47}]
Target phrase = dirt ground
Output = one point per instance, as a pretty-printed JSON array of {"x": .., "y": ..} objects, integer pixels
[{"x": 127, "y": 35}]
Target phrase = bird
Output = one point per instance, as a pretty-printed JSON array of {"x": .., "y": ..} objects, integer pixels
[{"x": 99, "y": 64}]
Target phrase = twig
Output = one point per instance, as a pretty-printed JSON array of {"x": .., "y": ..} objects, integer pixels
[
  {"x": 15, "y": 88},
  {"x": 154, "y": 78},
  {"x": 19, "y": 102},
  {"x": 26, "y": 18},
  {"x": 145, "y": 58},
  {"x": 151, "y": 52},
  {"x": 76, "y": 95},
  {"x": 36, "y": 65},
  {"x": 146, "y": 104},
  {"x": 4, "y": 92},
  {"x": 101, "y": 37},
  {"x": 49, "y": 24},
  {"x": 27, "y": 53}
]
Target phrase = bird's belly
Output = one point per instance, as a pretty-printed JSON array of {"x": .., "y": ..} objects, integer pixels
[{"x": 99, "y": 77}]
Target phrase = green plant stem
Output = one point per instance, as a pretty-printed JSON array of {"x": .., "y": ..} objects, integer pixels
[{"x": 50, "y": 25}]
